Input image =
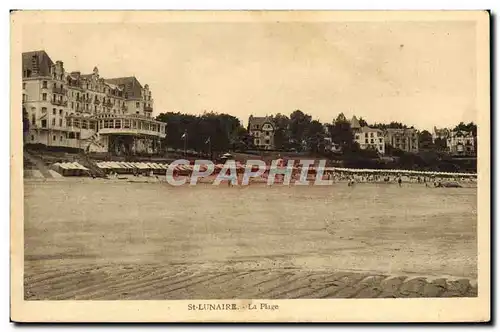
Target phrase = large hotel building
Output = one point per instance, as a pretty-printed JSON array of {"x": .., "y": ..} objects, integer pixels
[{"x": 88, "y": 112}]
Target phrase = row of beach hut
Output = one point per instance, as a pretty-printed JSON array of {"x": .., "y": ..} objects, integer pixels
[
  {"x": 121, "y": 167},
  {"x": 70, "y": 169}
]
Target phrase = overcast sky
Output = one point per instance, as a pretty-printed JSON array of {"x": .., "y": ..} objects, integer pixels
[{"x": 419, "y": 73}]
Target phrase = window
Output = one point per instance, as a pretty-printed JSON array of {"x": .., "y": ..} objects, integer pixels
[
  {"x": 118, "y": 124},
  {"x": 366, "y": 140},
  {"x": 53, "y": 122},
  {"x": 61, "y": 112},
  {"x": 44, "y": 96},
  {"x": 60, "y": 122},
  {"x": 24, "y": 85},
  {"x": 267, "y": 141},
  {"x": 44, "y": 84},
  {"x": 60, "y": 138},
  {"x": 380, "y": 140},
  {"x": 137, "y": 105},
  {"x": 54, "y": 111},
  {"x": 371, "y": 141},
  {"x": 33, "y": 119},
  {"x": 77, "y": 135},
  {"x": 257, "y": 142},
  {"x": 357, "y": 136},
  {"x": 71, "y": 135},
  {"x": 68, "y": 122},
  {"x": 32, "y": 137},
  {"x": 44, "y": 123},
  {"x": 371, "y": 134},
  {"x": 126, "y": 123},
  {"x": 44, "y": 110},
  {"x": 72, "y": 105},
  {"x": 84, "y": 124},
  {"x": 53, "y": 137}
]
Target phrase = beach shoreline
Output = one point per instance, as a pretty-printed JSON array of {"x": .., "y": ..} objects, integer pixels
[{"x": 264, "y": 233}]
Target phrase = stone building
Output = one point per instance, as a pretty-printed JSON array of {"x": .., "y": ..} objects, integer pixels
[
  {"x": 405, "y": 139},
  {"x": 262, "y": 131},
  {"x": 368, "y": 137},
  {"x": 461, "y": 143},
  {"x": 88, "y": 112}
]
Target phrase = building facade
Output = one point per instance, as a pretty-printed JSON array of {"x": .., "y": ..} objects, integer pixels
[
  {"x": 461, "y": 143},
  {"x": 368, "y": 137},
  {"x": 262, "y": 131},
  {"x": 87, "y": 112},
  {"x": 402, "y": 139},
  {"x": 458, "y": 142}
]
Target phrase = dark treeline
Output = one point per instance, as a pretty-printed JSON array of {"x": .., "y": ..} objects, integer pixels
[
  {"x": 469, "y": 127},
  {"x": 220, "y": 132}
]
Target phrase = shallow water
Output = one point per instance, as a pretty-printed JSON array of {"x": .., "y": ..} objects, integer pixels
[{"x": 368, "y": 227}]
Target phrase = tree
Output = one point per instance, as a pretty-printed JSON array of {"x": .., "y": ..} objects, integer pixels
[
  {"x": 425, "y": 140},
  {"x": 281, "y": 132},
  {"x": 224, "y": 130},
  {"x": 362, "y": 122},
  {"x": 341, "y": 133},
  {"x": 299, "y": 123},
  {"x": 470, "y": 127},
  {"x": 315, "y": 136},
  {"x": 391, "y": 125}
]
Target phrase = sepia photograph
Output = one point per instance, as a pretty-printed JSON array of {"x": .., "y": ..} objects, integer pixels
[{"x": 213, "y": 166}]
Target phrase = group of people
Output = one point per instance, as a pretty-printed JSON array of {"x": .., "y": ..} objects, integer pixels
[{"x": 429, "y": 181}]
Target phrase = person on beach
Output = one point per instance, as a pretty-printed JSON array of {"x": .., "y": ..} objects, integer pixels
[{"x": 399, "y": 181}]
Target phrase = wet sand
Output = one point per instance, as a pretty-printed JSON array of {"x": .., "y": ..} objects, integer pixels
[{"x": 105, "y": 239}]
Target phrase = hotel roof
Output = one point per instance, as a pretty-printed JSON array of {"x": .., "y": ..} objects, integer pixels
[
  {"x": 38, "y": 63},
  {"x": 259, "y": 120}
]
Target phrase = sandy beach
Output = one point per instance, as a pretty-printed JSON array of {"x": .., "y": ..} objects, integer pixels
[{"x": 128, "y": 240}]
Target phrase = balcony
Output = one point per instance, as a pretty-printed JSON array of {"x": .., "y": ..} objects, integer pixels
[
  {"x": 61, "y": 91},
  {"x": 97, "y": 101},
  {"x": 108, "y": 104},
  {"x": 124, "y": 108},
  {"x": 59, "y": 102},
  {"x": 130, "y": 131},
  {"x": 148, "y": 109}
]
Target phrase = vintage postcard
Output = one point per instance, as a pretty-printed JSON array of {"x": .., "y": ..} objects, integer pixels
[{"x": 250, "y": 166}]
